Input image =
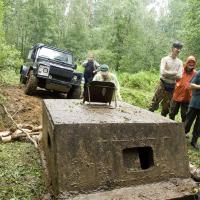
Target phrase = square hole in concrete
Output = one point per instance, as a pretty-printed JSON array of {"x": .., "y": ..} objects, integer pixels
[{"x": 138, "y": 158}]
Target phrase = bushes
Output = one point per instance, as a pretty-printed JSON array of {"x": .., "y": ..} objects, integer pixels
[
  {"x": 135, "y": 97},
  {"x": 9, "y": 57},
  {"x": 10, "y": 61},
  {"x": 138, "y": 88},
  {"x": 142, "y": 80}
]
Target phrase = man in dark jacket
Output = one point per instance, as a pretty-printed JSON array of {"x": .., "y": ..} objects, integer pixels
[
  {"x": 193, "y": 113},
  {"x": 90, "y": 66},
  {"x": 90, "y": 69}
]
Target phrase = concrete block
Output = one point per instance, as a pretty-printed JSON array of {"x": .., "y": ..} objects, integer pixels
[{"x": 91, "y": 148}]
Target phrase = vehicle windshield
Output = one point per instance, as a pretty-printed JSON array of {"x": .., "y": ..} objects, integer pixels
[{"x": 55, "y": 55}]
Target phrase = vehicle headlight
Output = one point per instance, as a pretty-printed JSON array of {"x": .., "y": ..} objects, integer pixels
[
  {"x": 75, "y": 78},
  {"x": 43, "y": 70}
]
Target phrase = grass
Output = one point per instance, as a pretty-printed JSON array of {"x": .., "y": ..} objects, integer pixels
[
  {"x": 10, "y": 77},
  {"x": 21, "y": 173}
]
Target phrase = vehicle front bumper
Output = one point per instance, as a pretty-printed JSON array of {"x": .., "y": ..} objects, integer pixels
[{"x": 57, "y": 85}]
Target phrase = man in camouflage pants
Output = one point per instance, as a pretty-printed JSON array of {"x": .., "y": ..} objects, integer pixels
[{"x": 170, "y": 70}]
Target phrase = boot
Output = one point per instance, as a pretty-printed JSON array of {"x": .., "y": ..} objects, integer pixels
[
  {"x": 194, "y": 142},
  {"x": 164, "y": 114}
]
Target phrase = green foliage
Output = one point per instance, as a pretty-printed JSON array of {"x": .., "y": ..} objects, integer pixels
[
  {"x": 144, "y": 80},
  {"x": 136, "y": 97},
  {"x": 138, "y": 88},
  {"x": 191, "y": 31},
  {"x": 9, "y": 57},
  {"x": 9, "y": 77},
  {"x": 105, "y": 56}
]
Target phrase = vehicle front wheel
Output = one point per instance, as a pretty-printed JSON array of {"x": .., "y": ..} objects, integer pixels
[
  {"x": 31, "y": 84},
  {"x": 74, "y": 93}
]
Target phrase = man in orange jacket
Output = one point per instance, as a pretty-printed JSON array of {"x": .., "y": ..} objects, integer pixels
[{"x": 182, "y": 93}]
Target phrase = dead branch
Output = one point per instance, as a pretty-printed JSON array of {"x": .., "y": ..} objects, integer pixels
[
  {"x": 13, "y": 121},
  {"x": 16, "y": 112},
  {"x": 23, "y": 135}
]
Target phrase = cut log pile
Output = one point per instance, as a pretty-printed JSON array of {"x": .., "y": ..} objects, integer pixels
[{"x": 22, "y": 132}]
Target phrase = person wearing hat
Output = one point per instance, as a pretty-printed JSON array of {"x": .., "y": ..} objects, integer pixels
[
  {"x": 182, "y": 92},
  {"x": 193, "y": 113},
  {"x": 171, "y": 69},
  {"x": 105, "y": 75}
]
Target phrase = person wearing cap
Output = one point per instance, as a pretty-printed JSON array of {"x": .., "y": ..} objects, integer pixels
[
  {"x": 90, "y": 69},
  {"x": 171, "y": 69},
  {"x": 105, "y": 75},
  {"x": 193, "y": 113},
  {"x": 183, "y": 93}
]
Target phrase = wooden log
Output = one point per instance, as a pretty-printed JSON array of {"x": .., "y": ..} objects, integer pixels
[
  {"x": 5, "y": 133},
  {"x": 38, "y": 128},
  {"x": 6, "y": 139}
]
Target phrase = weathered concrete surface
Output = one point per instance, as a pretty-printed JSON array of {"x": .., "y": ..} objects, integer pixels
[
  {"x": 99, "y": 148},
  {"x": 179, "y": 189}
]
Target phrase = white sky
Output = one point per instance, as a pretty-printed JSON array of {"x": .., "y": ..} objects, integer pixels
[{"x": 159, "y": 6}]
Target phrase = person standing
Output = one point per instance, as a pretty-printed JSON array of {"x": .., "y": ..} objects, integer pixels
[
  {"x": 193, "y": 113},
  {"x": 183, "y": 93},
  {"x": 90, "y": 69},
  {"x": 171, "y": 69}
]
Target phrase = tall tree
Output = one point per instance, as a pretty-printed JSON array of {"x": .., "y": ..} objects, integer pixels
[{"x": 192, "y": 28}]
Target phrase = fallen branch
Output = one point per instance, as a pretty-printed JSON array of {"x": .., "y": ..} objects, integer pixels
[
  {"x": 24, "y": 135},
  {"x": 18, "y": 127},
  {"x": 15, "y": 137},
  {"x": 16, "y": 112}
]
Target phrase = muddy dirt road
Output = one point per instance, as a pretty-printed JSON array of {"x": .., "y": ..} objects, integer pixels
[{"x": 23, "y": 108}]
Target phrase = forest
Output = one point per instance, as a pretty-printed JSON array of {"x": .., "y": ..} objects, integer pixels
[{"x": 129, "y": 36}]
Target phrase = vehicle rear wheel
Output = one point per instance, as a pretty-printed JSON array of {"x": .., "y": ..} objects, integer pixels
[
  {"x": 31, "y": 84},
  {"x": 74, "y": 93}
]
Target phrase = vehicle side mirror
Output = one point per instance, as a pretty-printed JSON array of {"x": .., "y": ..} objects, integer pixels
[{"x": 75, "y": 66}]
